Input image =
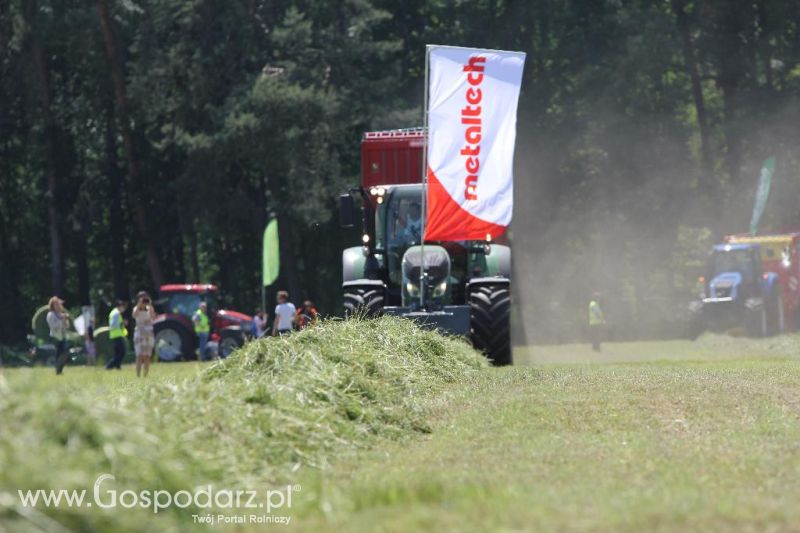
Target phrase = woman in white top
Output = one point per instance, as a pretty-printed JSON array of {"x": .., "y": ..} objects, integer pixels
[
  {"x": 284, "y": 315},
  {"x": 144, "y": 339},
  {"x": 58, "y": 322}
]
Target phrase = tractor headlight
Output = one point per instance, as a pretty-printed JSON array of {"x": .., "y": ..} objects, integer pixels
[
  {"x": 412, "y": 289},
  {"x": 440, "y": 289}
]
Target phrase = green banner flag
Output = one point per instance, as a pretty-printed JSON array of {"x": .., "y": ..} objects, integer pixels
[
  {"x": 764, "y": 182},
  {"x": 271, "y": 263}
]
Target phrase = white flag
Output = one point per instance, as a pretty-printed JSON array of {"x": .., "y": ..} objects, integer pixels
[{"x": 472, "y": 117}]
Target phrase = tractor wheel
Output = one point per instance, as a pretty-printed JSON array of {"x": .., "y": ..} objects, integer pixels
[
  {"x": 757, "y": 323},
  {"x": 230, "y": 340},
  {"x": 177, "y": 337},
  {"x": 363, "y": 301},
  {"x": 490, "y": 322}
]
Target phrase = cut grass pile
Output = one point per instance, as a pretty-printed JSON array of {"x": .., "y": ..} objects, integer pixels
[{"x": 249, "y": 422}]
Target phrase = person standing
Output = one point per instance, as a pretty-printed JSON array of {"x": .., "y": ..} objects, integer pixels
[
  {"x": 117, "y": 332},
  {"x": 89, "y": 345},
  {"x": 259, "y": 323},
  {"x": 202, "y": 328},
  {"x": 144, "y": 338},
  {"x": 284, "y": 315},
  {"x": 596, "y": 322},
  {"x": 306, "y": 315},
  {"x": 58, "y": 322}
]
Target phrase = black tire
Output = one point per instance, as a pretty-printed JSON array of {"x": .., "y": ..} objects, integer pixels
[
  {"x": 775, "y": 317},
  {"x": 363, "y": 301},
  {"x": 178, "y": 337},
  {"x": 230, "y": 340},
  {"x": 490, "y": 322},
  {"x": 757, "y": 321}
]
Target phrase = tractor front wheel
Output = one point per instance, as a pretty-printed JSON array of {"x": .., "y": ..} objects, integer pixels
[
  {"x": 757, "y": 321},
  {"x": 490, "y": 322},
  {"x": 363, "y": 301}
]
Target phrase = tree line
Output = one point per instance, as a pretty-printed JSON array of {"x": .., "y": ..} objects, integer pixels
[{"x": 149, "y": 141}]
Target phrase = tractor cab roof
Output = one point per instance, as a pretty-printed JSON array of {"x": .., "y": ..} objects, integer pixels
[
  {"x": 188, "y": 288},
  {"x": 739, "y": 246}
]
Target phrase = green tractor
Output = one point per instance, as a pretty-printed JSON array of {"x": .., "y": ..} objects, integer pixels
[{"x": 463, "y": 288}]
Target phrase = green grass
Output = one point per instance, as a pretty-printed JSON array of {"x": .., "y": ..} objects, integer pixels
[
  {"x": 712, "y": 445},
  {"x": 708, "y": 347},
  {"x": 388, "y": 427}
]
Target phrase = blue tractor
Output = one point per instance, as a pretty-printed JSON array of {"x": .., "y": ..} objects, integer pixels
[{"x": 738, "y": 294}]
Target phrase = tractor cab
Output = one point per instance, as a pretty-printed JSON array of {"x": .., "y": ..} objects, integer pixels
[
  {"x": 733, "y": 271},
  {"x": 185, "y": 299},
  {"x": 395, "y": 255}
]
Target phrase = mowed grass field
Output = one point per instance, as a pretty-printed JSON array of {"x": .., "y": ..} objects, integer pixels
[{"x": 644, "y": 436}]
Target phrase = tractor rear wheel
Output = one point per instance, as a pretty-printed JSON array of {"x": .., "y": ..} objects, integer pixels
[
  {"x": 177, "y": 338},
  {"x": 490, "y": 322},
  {"x": 363, "y": 301},
  {"x": 230, "y": 340}
]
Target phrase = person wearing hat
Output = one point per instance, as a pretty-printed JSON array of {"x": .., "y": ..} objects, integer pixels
[
  {"x": 117, "y": 332},
  {"x": 144, "y": 338},
  {"x": 58, "y": 322}
]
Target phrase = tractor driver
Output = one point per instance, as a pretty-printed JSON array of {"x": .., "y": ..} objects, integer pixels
[{"x": 412, "y": 233}]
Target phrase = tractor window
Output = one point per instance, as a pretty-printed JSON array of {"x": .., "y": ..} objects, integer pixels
[
  {"x": 403, "y": 222},
  {"x": 742, "y": 261},
  {"x": 187, "y": 303}
]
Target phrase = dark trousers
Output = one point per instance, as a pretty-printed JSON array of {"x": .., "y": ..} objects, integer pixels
[
  {"x": 119, "y": 354},
  {"x": 596, "y": 334},
  {"x": 62, "y": 354}
]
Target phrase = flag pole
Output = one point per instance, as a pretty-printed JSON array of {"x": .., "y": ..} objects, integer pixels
[{"x": 424, "y": 179}]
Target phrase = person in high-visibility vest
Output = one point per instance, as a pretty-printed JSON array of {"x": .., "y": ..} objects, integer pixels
[
  {"x": 596, "y": 322},
  {"x": 202, "y": 328},
  {"x": 117, "y": 332}
]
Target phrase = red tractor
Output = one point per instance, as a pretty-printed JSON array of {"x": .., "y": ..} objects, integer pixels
[{"x": 174, "y": 328}]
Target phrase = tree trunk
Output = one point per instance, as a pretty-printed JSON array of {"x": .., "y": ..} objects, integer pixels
[
  {"x": 690, "y": 58},
  {"x": 52, "y": 196},
  {"x": 82, "y": 264},
  {"x": 118, "y": 80},
  {"x": 194, "y": 256},
  {"x": 116, "y": 224}
]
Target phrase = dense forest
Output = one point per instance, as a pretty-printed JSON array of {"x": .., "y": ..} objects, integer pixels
[{"x": 149, "y": 141}]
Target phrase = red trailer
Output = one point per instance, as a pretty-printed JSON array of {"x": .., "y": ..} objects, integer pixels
[{"x": 780, "y": 253}]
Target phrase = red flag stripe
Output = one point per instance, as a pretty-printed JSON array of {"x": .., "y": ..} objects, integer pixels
[{"x": 448, "y": 221}]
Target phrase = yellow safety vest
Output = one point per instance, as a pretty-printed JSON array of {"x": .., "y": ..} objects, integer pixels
[
  {"x": 200, "y": 320},
  {"x": 119, "y": 330},
  {"x": 595, "y": 314}
]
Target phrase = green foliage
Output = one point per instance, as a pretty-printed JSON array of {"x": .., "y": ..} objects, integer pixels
[{"x": 242, "y": 110}]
